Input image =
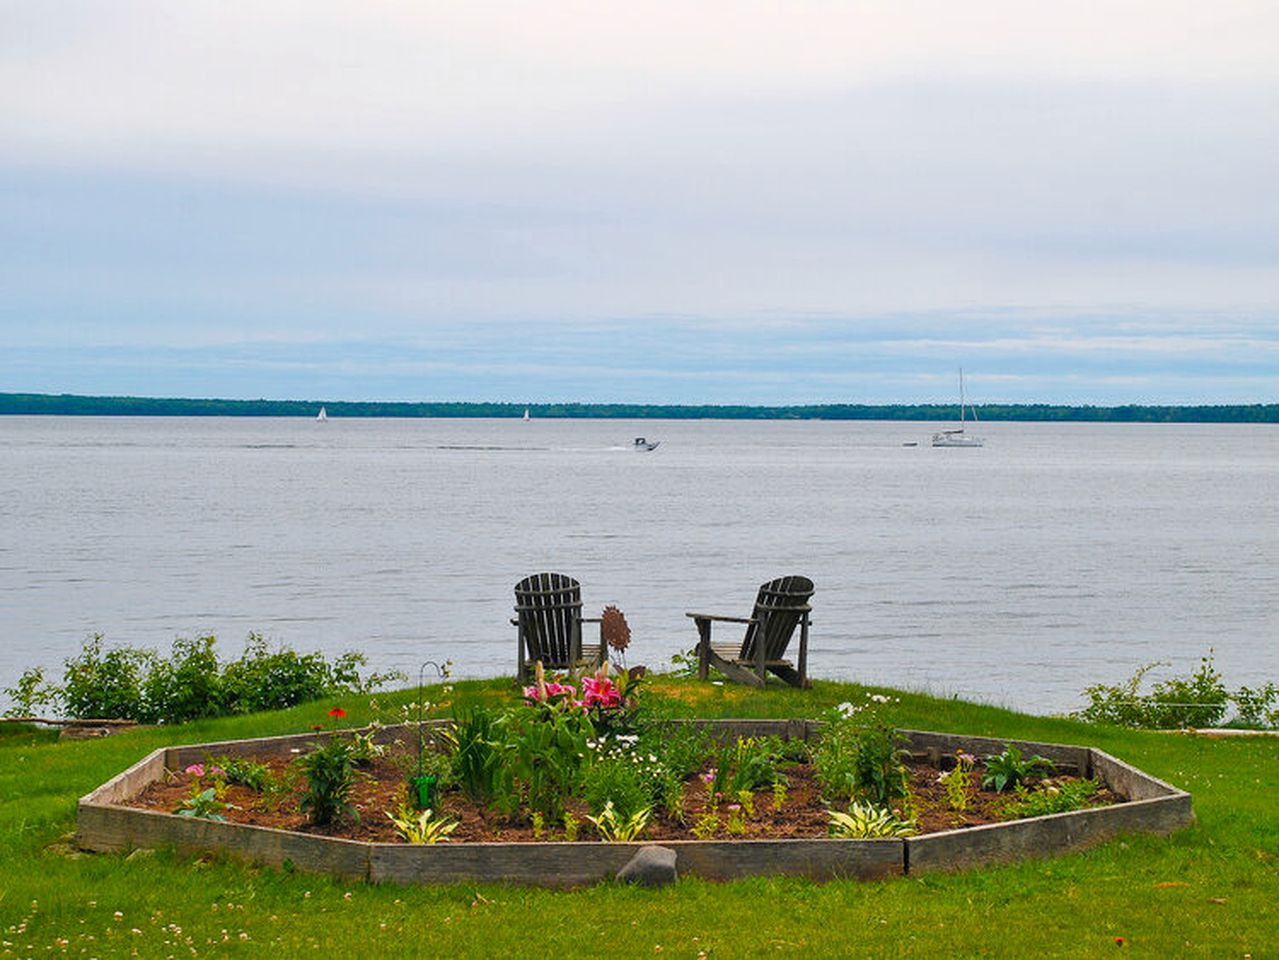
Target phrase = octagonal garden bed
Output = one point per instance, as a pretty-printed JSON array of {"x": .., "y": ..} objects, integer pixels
[{"x": 114, "y": 818}]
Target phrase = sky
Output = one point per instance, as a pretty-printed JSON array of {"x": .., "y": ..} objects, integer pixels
[{"x": 588, "y": 200}]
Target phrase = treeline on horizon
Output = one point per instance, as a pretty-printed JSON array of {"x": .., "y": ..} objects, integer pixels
[{"x": 72, "y": 405}]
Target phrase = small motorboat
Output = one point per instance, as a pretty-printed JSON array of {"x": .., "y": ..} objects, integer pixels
[{"x": 642, "y": 444}]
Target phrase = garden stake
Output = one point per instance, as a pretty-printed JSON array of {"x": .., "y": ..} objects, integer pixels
[{"x": 423, "y": 785}]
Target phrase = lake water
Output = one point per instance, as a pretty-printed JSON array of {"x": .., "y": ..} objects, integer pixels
[{"x": 1057, "y": 556}]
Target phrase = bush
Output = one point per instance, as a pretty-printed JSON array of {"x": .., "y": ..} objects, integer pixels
[
  {"x": 188, "y": 685},
  {"x": 106, "y": 685},
  {"x": 1199, "y": 700},
  {"x": 128, "y": 683}
]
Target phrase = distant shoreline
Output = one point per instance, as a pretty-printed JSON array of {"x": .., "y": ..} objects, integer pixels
[{"x": 40, "y": 404}]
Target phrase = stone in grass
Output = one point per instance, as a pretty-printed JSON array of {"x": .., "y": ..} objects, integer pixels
[{"x": 652, "y": 866}]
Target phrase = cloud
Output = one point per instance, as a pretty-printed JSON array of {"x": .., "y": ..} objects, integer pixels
[{"x": 699, "y": 185}]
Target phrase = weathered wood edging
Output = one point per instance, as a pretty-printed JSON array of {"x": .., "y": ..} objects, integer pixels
[{"x": 106, "y": 825}]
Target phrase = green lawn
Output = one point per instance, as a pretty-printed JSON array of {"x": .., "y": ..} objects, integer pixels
[{"x": 1212, "y": 890}]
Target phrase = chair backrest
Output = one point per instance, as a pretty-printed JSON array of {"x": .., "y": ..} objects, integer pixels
[
  {"x": 548, "y": 610},
  {"x": 780, "y": 606}
]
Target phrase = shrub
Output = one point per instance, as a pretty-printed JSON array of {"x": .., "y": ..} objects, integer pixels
[
  {"x": 109, "y": 685},
  {"x": 1199, "y": 700},
  {"x": 188, "y": 685},
  {"x": 133, "y": 684},
  {"x": 1256, "y": 708}
]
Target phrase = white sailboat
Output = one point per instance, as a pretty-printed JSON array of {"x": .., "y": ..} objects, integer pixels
[
  {"x": 957, "y": 437},
  {"x": 322, "y": 415},
  {"x": 526, "y": 416}
]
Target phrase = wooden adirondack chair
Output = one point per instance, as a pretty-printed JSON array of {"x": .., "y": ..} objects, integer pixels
[
  {"x": 548, "y": 618},
  {"x": 782, "y": 605}
]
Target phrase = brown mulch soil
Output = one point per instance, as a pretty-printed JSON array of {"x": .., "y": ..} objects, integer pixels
[{"x": 381, "y": 787}]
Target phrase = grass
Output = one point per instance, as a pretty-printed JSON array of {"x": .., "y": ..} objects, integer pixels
[{"x": 1206, "y": 891}]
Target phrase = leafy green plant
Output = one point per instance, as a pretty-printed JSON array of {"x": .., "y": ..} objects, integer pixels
[
  {"x": 1256, "y": 709},
  {"x": 754, "y": 763},
  {"x": 545, "y": 749},
  {"x": 1060, "y": 796},
  {"x": 746, "y": 800},
  {"x": 1007, "y": 770},
  {"x": 330, "y": 775},
  {"x": 617, "y": 783},
  {"x": 958, "y": 781},
  {"x": 614, "y": 828},
  {"x": 423, "y": 827},
  {"x": 571, "y": 826},
  {"x": 685, "y": 665},
  {"x": 866, "y": 821},
  {"x": 30, "y": 694},
  {"x": 735, "y": 825},
  {"x": 855, "y": 759},
  {"x": 364, "y": 748},
  {"x": 204, "y": 804},
  {"x": 707, "y": 826},
  {"x": 477, "y": 760},
  {"x": 779, "y": 793},
  {"x": 249, "y": 773}
]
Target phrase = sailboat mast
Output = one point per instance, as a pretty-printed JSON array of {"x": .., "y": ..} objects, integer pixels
[{"x": 961, "y": 398}]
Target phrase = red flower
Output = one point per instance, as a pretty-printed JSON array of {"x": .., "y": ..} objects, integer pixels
[
  {"x": 337, "y": 712},
  {"x": 1119, "y": 941}
]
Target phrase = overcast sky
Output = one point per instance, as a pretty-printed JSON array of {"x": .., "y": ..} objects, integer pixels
[{"x": 799, "y": 201}]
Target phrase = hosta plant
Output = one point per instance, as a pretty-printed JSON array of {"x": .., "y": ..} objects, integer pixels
[
  {"x": 424, "y": 827},
  {"x": 614, "y": 828},
  {"x": 865, "y": 821}
]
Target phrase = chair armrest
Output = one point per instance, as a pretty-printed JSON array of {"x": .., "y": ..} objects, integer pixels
[
  {"x": 708, "y": 616},
  {"x": 590, "y": 619}
]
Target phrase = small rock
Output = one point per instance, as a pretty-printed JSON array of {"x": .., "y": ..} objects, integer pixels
[{"x": 652, "y": 866}]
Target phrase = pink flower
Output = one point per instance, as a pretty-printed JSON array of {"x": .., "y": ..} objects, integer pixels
[
  {"x": 708, "y": 776},
  {"x": 600, "y": 692},
  {"x": 196, "y": 770}
]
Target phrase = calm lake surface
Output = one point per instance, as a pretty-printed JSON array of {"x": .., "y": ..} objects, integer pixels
[{"x": 1057, "y": 556}]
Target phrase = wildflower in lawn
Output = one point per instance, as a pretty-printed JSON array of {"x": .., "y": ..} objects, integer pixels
[{"x": 337, "y": 713}]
